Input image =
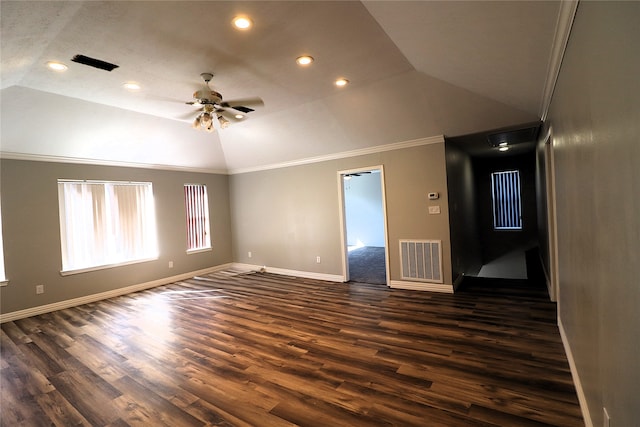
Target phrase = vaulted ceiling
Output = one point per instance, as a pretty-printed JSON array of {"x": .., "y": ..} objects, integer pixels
[{"x": 416, "y": 69}]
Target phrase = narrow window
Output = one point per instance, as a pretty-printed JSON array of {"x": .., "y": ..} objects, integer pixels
[
  {"x": 505, "y": 192},
  {"x": 105, "y": 223},
  {"x": 196, "y": 206},
  {"x": 3, "y": 277}
]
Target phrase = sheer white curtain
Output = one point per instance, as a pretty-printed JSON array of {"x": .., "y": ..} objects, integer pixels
[{"x": 104, "y": 223}]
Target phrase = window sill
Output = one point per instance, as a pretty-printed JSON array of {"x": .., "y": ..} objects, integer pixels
[
  {"x": 4, "y": 283},
  {"x": 196, "y": 251},
  {"x": 104, "y": 267}
]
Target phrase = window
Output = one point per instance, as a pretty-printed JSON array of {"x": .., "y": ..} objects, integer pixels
[
  {"x": 3, "y": 277},
  {"x": 505, "y": 192},
  {"x": 105, "y": 224},
  {"x": 196, "y": 206}
]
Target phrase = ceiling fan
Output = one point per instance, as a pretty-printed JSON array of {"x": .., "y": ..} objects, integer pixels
[{"x": 214, "y": 113}]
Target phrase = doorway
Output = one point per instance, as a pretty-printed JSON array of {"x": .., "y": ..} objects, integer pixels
[
  {"x": 363, "y": 217},
  {"x": 507, "y": 216}
]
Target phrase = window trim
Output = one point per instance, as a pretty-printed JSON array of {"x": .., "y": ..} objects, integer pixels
[
  {"x": 105, "y": 266},
  {"x": 4, "y": 281},
  {"x": 496, "y": 207},
  {"x": 108, "y": 265},
  {"x": 207, "y": 221}
]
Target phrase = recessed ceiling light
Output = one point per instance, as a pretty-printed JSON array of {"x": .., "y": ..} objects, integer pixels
[
  {"x": 242, "y": 22},
  {"x": 502, "y": 144},
  {"x": 239, "y": 116},
  {"x": 132, "y": 86},
  {"x": 505, "y": 148},
  {"x": 56, "y": 66},
  {"x": 342, "y": 82},
  {"x": 304, "y": 60}
]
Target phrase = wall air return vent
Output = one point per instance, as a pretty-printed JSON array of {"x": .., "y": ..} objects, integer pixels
[
  {"x": 421, "y": 260},
  {"x": 96, "y": 63}
]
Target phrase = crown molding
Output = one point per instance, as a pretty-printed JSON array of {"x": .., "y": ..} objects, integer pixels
[
  {"x": 102, "y": 162},
  {"x": 566, "y": 15},
  {"x": 343, "y": 154},
  {"x": 299, "y": 162}
]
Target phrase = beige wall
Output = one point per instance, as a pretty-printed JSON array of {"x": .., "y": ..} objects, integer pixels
[
  {"x": 595, "y": 121},
  {"x": 287, "y": 217},
  {"x": 31, "y": 231}
]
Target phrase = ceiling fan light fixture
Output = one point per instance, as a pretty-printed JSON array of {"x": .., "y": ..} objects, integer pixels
[
  {"x": 242, "y": 22},
  {"x": 211, "y": 107},
  {"x": 341, "y": 82},
  {"x": 196, "y": 123},
  {"x": 57, "y": 66},
  {"x": 304, "y": 60},
  {"x": 224, "y": 123}
]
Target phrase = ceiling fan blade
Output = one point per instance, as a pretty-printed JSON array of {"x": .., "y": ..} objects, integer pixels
[
  {"x": 228, "y": 114},
  {"x": 243, "y": 102},
  {"x": 190, "y": 115},
  {"x": 237, "y": 109}
]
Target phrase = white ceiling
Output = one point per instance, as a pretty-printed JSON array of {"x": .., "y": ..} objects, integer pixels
[{"x": 417, "y": 69}]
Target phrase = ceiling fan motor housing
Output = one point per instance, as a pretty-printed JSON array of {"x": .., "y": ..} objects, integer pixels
[{"x": 206, "y": 96}]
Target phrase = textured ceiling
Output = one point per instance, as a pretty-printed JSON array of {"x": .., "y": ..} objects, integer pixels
[{"x": 417, "y": 69}]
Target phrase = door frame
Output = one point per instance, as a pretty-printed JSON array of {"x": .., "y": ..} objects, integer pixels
[
  {"x": 343, "y": 218},
  {"x": 552, "y": 231}
]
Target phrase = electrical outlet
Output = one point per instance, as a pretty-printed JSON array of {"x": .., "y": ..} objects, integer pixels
[
  {"x": 39, "y": 289},
  {"x": 170, "y": 264},
  {"x": 318, "y": 259},
  {"x": 249, "y": 254},
  {"x": 434, "y": 210}
]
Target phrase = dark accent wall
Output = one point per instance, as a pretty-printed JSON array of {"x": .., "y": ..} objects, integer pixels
[
  {"x": 495, "y": 243},
  {"x": 465, "y": 248}
]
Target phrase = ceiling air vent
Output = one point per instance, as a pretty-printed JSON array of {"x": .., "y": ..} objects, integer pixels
[
  {"x": 513, "y": 137},
  {"x": 96, "y": 63}
]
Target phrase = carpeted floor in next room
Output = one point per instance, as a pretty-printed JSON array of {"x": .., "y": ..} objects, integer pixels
[{"x": 367, "y": 265}]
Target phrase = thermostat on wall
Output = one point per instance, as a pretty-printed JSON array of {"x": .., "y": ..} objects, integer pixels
[{"x": 434, "y": 196}]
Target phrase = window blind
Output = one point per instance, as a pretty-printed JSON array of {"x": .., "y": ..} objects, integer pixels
[
  {"x": 105, "y": 223},
  {"x": 197, "y": 216}
]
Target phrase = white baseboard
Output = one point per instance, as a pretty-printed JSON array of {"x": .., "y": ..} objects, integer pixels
[
  {"x": 576, "y": 378},
  {"x": 287, "y": 272},
  {"x": 421, "y": 286},
  {"x": 42, "y": 309}
]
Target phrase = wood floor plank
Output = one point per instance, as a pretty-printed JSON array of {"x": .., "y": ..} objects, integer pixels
[
  {"x": 235, "y": 349},
  {"x": 60, "y": 411}
]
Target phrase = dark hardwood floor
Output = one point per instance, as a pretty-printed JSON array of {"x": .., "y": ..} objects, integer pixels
[{"x": 268, "y": 350}]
